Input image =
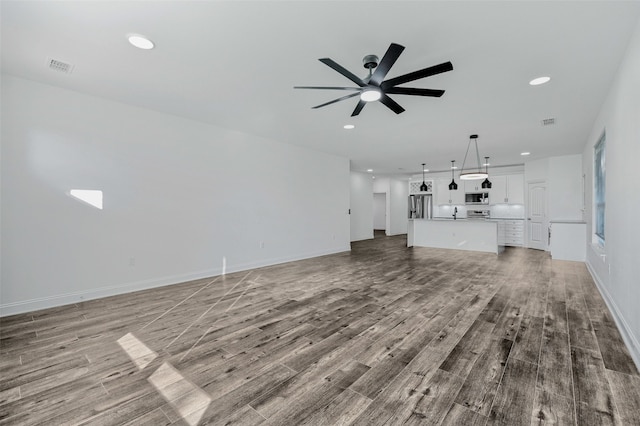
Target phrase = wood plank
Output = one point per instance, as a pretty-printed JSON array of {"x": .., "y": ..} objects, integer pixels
[
  {"x": 615, "y": 354},
  {"x": 342, "y": 410},
  {"x": 430, "y": 405},
  {"x": 459, "y": 415},
  {"x": 626, "y": 391},
  {"x": 528, "y": 339},
  {"x": 551, "y": 409},
  {"x": 554, "y": 373},
  {"x": 479, "y": 389},
  {"x": 513, "y": 403},
  {"x": 462, "y": 358},
  {"x": 594, "y": 399}
]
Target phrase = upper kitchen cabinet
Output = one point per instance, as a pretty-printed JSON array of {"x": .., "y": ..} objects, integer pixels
[
  {"x": 507, "y": 189},
  {"x": 445, "y": 196},
  {"x": 474, "y": 186}
]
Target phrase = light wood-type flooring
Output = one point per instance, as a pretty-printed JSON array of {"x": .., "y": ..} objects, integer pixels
[{"x": 384, "y": 334}]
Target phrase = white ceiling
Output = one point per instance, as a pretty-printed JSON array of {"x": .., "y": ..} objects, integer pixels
[{"x": 234, "y": 64}]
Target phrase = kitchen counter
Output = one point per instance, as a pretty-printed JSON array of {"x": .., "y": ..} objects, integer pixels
[{"x": 460, "y": 234}]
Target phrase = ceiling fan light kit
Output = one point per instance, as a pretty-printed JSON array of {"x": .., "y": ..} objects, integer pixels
[
  {"x": 472, "y": 175},
  {"x": 374, "y": 87}
]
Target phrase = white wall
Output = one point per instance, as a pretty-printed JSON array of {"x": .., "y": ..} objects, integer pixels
[
  {"x": 564, "y": 187},
  {"x": 361, "y": 206},
  {"x": 616, "y": 268},
  {"x": 181, "y": 199},
  {"x": 398, "y": 206}
]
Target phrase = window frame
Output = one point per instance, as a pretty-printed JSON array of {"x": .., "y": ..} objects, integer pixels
[{"x": 599, "y": 190}]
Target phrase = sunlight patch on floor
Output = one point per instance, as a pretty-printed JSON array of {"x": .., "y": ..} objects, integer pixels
[{"x": 187, "y": 399}]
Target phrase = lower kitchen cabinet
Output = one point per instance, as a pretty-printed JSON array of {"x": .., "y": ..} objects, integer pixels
[{"x": 510, "y": 232}]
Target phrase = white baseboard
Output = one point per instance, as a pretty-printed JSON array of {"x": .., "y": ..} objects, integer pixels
[
  {"x": 625, "y": 331},
  {"x": 97, "y": 293}
]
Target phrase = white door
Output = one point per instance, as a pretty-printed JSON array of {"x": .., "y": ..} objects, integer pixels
[{"x": 537, "y": 234}]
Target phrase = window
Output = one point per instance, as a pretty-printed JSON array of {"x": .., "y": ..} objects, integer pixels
[{"x": 599, "y": 179}]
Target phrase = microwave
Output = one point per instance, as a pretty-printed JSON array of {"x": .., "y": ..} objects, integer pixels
[{"x": 476, "y": 198}]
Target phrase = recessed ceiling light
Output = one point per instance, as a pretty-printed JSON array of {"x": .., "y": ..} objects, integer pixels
[
  {"x": 141, "y": 42},
  {"x": 370, "y": 170},
  {"x": 540, "y": 80},
  {"x": 454, "y": 167},
  {"x": 425, "y": 170},
  {"x": 525, "y": 153},
  {"x": 349, "y": 126},
  {"x": 486, "y": 164},
  {"x": 370, "y": 95}
]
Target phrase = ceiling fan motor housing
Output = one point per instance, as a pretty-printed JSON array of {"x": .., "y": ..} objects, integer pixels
[{"x": 370, "y": 61}]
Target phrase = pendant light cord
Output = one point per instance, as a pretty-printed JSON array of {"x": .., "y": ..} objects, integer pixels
[{"x": 467, "y": 153}]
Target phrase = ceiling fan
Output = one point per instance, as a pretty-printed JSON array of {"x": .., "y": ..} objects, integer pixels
[{"x": 374, "y": 87}]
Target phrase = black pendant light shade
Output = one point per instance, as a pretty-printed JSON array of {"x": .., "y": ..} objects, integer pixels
[
  {"x": 486, "y": 184},
  {"x": 423, "y": 187},
  {"x": 453, "y": 186}
]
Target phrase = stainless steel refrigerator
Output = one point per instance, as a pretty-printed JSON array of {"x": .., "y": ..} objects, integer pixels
[{"x": 420, "y": 206}]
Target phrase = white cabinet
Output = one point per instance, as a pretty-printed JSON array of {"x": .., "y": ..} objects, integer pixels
[
  {"x": 514, "y": 233},
  {"x": 507, "y": 189},
  {"x": 498, "y": 191},
  {"x": 515, "y": 189},
  {"x": 510, "y": 232},
  {"x": 474, "y": 186},
  {"x": 445, "y": 196}
]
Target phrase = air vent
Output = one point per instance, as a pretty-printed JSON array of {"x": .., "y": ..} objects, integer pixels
[
  {"x": 548, "y": 121},
  {"x": 59, "y": 66}
]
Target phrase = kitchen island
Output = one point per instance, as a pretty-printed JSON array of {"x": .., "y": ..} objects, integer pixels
[{"x": 460, "y": 234}]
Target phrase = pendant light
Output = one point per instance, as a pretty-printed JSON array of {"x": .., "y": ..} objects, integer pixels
[
  {"x": 453, "y": 185},
  {"x": 472, "y": 175},
  {"x": 486, "y": 184},
  {"x": 423, "y": 187}
]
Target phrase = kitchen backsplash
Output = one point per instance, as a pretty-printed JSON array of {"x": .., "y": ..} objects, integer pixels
[
  {"x": 508, "y": 211},
  {"x": 515, "y": 211}
]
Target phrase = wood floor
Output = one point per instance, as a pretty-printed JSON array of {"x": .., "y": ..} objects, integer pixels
[{"x": 381, "y": 335}]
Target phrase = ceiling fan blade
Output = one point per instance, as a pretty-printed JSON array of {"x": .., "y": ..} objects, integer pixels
[
  {"x": 391, "y": 104},
  {"x": 326, "y": 87},
  {"x": 351, "y": 95},
  {"x": 416, "y": 75},
  {"x": 359, "y": 107},
  {"x": 342, "y": 70},
  {"x": 416, "y": 92},
  {"x": 389, "y": 58}
]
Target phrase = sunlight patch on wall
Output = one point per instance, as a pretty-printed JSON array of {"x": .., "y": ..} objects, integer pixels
[{"x": 89, "y": 196}]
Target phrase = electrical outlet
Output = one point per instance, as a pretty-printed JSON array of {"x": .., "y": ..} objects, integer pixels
[
  {"x": 261, "y": 244},
  {"x": 132, "y": 261}
]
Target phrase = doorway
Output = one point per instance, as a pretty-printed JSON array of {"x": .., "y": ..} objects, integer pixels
[
  {"x": 380, "y": 212},
  {"x": 537, "y": 227}
]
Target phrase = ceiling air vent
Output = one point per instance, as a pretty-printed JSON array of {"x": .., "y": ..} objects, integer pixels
[
  {"x": 60, "y": 66},
  {"x": 548, "y": 121}
]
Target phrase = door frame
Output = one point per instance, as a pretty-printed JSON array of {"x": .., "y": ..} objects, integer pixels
[
  {"x": 527, "y": 218},
  {"x": 386, "y": 212}
]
